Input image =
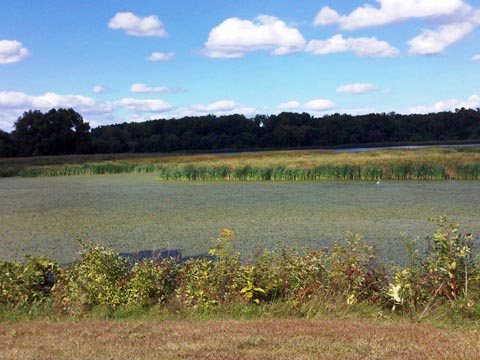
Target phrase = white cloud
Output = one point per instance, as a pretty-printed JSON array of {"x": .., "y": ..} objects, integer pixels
[
  {"x": 158, "y": 56},
  {"x": 234, "y": 37},
  {"x": 14, "y": 103},
  {"x": 99, "y": 89},
  {"x": 137, "y": 26},
  {"x": 361, "y": 46},
  {"x": 472, "y": 102},
  {"x": 319, "y": 105},
  {"x": 289, "y": 105},
  {"x": 12, "y": 51},
  {"x": 326, "y": 16},
  {"x": 14, "y": 99},
  {"x": 357, "y": 88},
  {"x": 431, "y": 42},
  {"x": 222, "y": 107},
  {"x": 476, "y": 57},
  {"x": 389, "y": 11},
  {"x": 147, "y": 105},
  {"x": 315, "y": 106},
  {"x": 147, "y": 89}
]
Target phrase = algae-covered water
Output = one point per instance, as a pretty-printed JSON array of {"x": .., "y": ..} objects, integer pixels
[{"x": 133, "y": 212}]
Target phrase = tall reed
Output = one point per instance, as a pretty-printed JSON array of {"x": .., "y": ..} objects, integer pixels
[{"x": 425, "y": 164}]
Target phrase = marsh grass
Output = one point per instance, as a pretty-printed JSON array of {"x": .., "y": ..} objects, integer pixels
[{"x": 394, "y": 164}]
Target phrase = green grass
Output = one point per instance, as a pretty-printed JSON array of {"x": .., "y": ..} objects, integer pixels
[{"x": 132, "y": 212}]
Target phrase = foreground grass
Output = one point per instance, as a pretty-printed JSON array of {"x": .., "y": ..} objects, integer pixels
[{"x": 235, "y": 339}]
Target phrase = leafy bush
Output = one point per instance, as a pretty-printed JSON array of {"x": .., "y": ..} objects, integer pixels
[
  {"x": 98, "y": 279},
  {"x": 346, "y": 273},
  {"x": 150, "y": 282},
  {"x": 205, "y": 282},
  {"x": 27, "y": 283},
  {"x": 443, "y": 274}
]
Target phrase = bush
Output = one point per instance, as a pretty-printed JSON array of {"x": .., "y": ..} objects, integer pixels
[
  {"x": 150, "y": 282},
  {"x": 205, "y": 282},
  {"x": 98, "y": 279},
  {"x": 346, "y": 273},
  {"x": 27, "y": 283}
]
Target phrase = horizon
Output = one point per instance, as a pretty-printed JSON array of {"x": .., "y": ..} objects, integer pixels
[{"x": 131, "y": 61}]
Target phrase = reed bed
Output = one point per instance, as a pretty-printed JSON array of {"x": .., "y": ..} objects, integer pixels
[{"x": 422, "y": 164}]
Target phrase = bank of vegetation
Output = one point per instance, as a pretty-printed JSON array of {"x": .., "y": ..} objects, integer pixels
[
  {"x": 288, "y": 282},
  {"x": 393, "y": 164}
]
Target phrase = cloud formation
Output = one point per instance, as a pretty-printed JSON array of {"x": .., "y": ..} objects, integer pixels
[
  {"x": 314, "y": 106},
  {"x": 99, "y": 89},
  {"x": 235, "y": 37},
  {"x": 146, "y": 105},
  {"x": 473, "y": 102},
  {"x": 12, "y": 51},
  {"x": 222, "y": 107},
  {"x": 476, "y": 57},
  {"x": 319, "y": 105},
  {"x": 431, "y": 42},
  {"x": 97, "y": 112},
  {"x": 289, "y": 105},
  {"x": 15, "y": 99},
  {"x": 137, "y": 26},
  {"x": 389, "y": 11},
  {"x": 147, "y": 89},
  {"x": 159, "y": 56},
  {"x": 361, "y": 46},
  {"x": 14, "y": 103},
  {"x": 357, "y": 88}
]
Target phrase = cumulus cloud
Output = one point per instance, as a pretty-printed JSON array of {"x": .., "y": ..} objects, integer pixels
[
  {"x": 389, "y": 11},
  {"x": 472, "y": 102},
  {"x": 147, "y": 105},
  {"x": 99, "y": 89},
  {"x": 158, "y": 56},
  {"x": 222, "y": 107},
  {"x": 315, "y": 106},
  {"x": 357, "y": 88},
  {"x": 361, "y": 46},
  {"x": 14, "y": 99},
  {"x": 147, "y": 89},
  {"x": 137, "y": 26},
  {"x": 431, "y": 42},
  {"x": 12, "y": 51},
  {"x": 319, "y": 105},
  {"x": 289, "y": 105},
  {"x": 14, "y": 103},
  {"x": 235, "y": 37}
]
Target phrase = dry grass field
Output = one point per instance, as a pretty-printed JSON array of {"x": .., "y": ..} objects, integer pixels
[{"x": 234, "y": 339}]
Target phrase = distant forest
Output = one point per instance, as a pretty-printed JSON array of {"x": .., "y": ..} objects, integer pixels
[{"x": 63, "y": 132}]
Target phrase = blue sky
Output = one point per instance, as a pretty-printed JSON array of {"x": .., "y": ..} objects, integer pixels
[{"x": 116, "y": 61}]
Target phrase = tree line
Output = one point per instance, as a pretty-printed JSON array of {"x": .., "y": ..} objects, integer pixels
[{"x": 63, "y": 132}]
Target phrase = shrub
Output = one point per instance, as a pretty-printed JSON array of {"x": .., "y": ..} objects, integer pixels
[
  {"x": 443, "y": 274},
  {"x": 150, "y": 282},
  {"x": 27, "y": 283},
  {"x": 98, "y": 279},
  {"x": 205, "y": 282}
]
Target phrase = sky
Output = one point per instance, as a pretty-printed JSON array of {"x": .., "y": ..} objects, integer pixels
[{"x": 121, "y": 61}]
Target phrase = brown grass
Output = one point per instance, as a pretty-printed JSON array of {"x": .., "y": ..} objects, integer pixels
[{"x": 234, "y": 339}]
